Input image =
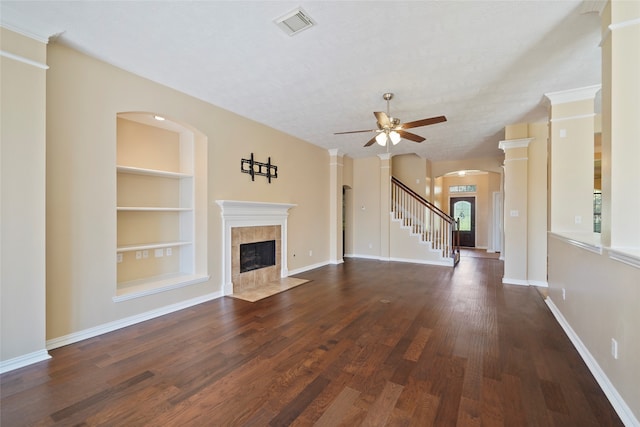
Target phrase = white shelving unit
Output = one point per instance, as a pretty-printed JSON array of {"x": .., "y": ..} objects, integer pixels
[{"x": 156, "y": 209}]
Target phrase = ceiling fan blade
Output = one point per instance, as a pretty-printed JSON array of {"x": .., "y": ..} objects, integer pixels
[
  {"x": 423, "y": 122},
  {"x": 354, "y": 131},
  {"x": 371, "y": 141},
  {"x": 410, "y": 136},
  {"x": 383, "y": 119}
]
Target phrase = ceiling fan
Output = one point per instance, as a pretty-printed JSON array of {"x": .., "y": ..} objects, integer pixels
[{"x": 390, "y": 128}]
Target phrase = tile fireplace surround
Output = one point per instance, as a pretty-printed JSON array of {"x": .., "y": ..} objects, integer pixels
[{"x": 248, "y": 222}]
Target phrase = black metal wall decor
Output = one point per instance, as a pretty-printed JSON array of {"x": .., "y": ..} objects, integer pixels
[{"x": 254, "y": 168}]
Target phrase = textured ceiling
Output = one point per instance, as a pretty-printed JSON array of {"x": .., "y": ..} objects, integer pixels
[{"x": 483, "y": 64}]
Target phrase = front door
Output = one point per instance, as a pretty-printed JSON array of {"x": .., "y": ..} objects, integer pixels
[{"x": 464, "y": 209}]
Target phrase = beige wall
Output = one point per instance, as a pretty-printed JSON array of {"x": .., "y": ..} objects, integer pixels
[
  {"x": 83, "y": 97},
  {"x": 537, "y": 204},
  {"x": 601, "y": 283},
  {"x": 486, "y": 184},
  {"x": 412, "y": 171},
  {"x": 572, "y": 131},
  {"x": 601, "y": 303},
  {"x": 493, "y": 164},
  {"x": 22, "y": 177},
  {"x": 366, "y": 207}
]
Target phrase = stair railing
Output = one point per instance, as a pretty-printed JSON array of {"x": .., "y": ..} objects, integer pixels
[{"x": 426, "y": 219}]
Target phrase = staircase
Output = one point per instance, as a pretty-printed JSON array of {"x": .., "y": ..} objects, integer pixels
[{"x": 432, "y": 234}]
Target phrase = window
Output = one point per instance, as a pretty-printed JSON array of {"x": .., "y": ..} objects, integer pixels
[
  {"x": 462, "y": 188},
  {"x": 597, "y": 210}
]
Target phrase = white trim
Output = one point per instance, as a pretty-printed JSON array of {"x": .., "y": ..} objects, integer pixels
[
  {"x": 580, "y": 116},
  {"x": 24, "y": 360},
  {"x": 624, "y": 257},
  {"x": 573, "y": 95},
  {"x": 385, "y": 156},
  {"x": 447, "y": 262},
  {"x": 147, "y": 287},
  {"x": 624, "y": 24},
  {"x": 335, "y": 152},
  {"x": 336, "y": 261},
  {"x": 519, "y": 282},
  {"x": 33, "y": 36},
  {"x": 24, "y": 60},
  {"x": 618, "y": 403},
  {"x": 580, "y": 243},
  {"x": 128, "y": 321},
  {"x": 374, "y": 257},
  {"x": 308, "y": 267},
  {"x": 514, "y": 143},
  {"x": 539, "y": 283}
]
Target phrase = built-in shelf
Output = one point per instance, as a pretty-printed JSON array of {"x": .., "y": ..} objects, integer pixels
[
  {"x": 141, "y": 247},
  {"x": 153, "y": 285},
  {"x": 151, "y": 209},
  {"x": 152, "y": 172},
  {"x": 161, "y": 194}
]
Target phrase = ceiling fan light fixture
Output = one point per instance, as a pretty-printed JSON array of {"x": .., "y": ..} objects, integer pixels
[
  {"x": 394, "y": 137},
  {"x": 381, "y": 139}
]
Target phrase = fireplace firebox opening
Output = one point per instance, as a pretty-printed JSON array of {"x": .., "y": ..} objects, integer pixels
[{"x": 254, "y": 256}]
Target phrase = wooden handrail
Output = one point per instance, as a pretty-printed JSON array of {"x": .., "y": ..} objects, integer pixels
[{"x": 424, "y": 201}]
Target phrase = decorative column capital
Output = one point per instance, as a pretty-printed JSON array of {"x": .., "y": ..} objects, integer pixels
[
  {"x": 335, "y": 152},
  {"x": 514, "y": 143},
  {"x": 573, "y": 95}
]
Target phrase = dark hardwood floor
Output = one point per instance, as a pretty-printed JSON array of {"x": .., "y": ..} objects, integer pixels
[{"x": 364, "y": 343}]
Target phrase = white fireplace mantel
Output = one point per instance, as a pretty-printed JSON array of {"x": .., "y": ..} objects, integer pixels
[{"x": 251, "y": 214}]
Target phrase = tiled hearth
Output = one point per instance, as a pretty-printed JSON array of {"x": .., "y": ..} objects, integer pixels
[{"x": 247, "y": 222}]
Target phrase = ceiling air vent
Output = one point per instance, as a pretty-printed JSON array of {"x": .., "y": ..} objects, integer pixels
[{"x": 295, "y": 21}]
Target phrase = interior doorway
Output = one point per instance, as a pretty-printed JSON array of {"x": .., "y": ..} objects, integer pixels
[{"x": 464, "y": 210}]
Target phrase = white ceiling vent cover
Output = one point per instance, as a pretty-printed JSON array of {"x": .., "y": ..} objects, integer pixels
[{"x": 294, "y": 22}]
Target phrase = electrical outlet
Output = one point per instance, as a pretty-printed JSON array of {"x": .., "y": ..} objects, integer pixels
[
  {"x": 169, "y": 252},
  {"x": 159, "y": 253},
  {"x": 138, "y": 254},
  {"x": 564, "y": 294},
  {"x": 119, "y": 258},
  {"x": 145, "y": 254},
  {"x": 310, "y": 253},
  {"x": 578, "y": 219},
  {"x": 370, "y": 245},
  {"x": 614, "y": 348}
]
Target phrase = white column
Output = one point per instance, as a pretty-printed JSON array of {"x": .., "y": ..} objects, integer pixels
[
  {"x": 385, "y": 204},
  {"x": 335, "y": 206},
  {"x": 515, "y": 210},
  {"x": 621, "y": 129},
  {"x": 571, "y": 159}
]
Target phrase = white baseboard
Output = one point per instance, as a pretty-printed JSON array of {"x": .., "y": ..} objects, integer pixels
[
  {"x": 618, "y": 403},
  {"x": 518, "y": 282},
  {"x": 376, "y": 257},
  {"x": 128, "y": 321},
  {"x": 24, "y": 360},
  {"x": 446, "y": 263},
  {"x": 308, "y": 267},
  {"x": 539, "y": 283}
]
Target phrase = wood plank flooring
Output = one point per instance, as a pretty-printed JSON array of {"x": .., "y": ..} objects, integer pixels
[{"x": 365, "y": 343}]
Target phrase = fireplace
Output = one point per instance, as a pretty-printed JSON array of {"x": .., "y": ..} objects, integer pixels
[
  {"x": 257, "y": 255},
  {"x": 248, "y": 223}
]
